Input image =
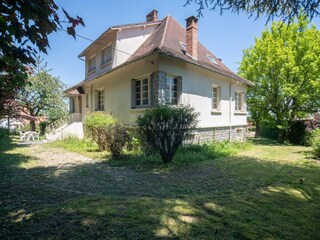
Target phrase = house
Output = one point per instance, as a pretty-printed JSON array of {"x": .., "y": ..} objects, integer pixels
[{"x": 132, "y": 67}]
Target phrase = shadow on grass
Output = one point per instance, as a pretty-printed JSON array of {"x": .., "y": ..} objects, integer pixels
[{"x": 233, "y": 198}]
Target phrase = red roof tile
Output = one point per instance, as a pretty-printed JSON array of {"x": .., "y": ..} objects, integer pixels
[{"x": 167, "y": 38}]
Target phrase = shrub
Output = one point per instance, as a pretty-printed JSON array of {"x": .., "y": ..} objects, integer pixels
[
  {"x": 105, "y": 130},
  {"x": 117, "y": 136},
  {"x": 96, "y": 124},
  {"x": 165, "y": 127},
  {"x": 315, "y": 142}
]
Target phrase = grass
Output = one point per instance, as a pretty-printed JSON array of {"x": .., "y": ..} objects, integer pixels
[
  {"x": 136, "y": 159},
  {"x": 266, "y": 191}
]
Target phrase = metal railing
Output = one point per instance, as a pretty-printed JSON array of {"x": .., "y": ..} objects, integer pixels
[{"x": 66, "y": 120}]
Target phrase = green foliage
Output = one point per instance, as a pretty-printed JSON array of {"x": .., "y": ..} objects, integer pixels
[
  {"x": 24, "y": 30},
  {"x": 286, "y": 9},
  {"x": 4, "y": 132},
  {"x": 315, "y": 142},
  {"x": 117, "y": 137},
  {"x": 96, "y": 124},
  {"x": 107, "y": 132},
  {"x": 99, "y": 120},
  {"x": 165, "y": 127},
  {"x": 43, "y": 94},
  {"x": 284, "y": 64}
]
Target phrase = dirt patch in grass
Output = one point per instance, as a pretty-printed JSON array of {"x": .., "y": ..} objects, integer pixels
[{"x": 49, "y": 193}]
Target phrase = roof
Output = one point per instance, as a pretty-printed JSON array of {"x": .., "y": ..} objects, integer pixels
[{"x": 166, "y": 39}]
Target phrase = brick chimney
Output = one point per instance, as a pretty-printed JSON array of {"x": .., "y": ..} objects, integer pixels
[
  {"x": 152, "y": 16},
  {"x": 192, "y": 37}
]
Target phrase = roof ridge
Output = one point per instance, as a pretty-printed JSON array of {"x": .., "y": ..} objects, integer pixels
[{"x": 164, "y": 31}]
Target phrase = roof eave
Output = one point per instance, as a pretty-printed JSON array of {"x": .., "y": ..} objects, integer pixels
[{"x": 233, "y": 76}]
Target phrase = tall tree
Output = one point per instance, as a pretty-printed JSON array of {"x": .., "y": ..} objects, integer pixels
[
  {"x": 287, "y": 10},
  {"x": 284, "y": 64},
  {"x": 24, "y": 29},
  {"x": 42, "y": 95}
]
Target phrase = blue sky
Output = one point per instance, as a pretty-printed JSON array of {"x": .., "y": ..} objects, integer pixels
[{"x": 224, "y": 35}]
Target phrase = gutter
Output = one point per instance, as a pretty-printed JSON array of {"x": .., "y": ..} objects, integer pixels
[{"x": 230, "y": 104}]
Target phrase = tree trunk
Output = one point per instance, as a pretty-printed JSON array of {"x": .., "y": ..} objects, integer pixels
[
  {"x": 32, "y": 125},
  {"x": 257, "y": 132}
]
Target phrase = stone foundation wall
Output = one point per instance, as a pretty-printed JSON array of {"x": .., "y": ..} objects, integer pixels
[{"x": 203, "y": 135}]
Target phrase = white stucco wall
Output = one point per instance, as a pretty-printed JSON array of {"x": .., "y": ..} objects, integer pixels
[
  {"x": 124, "y": 42},
  {"x": 74, "y": 129},
  {"x": 129, "y": 40},
  {"x": 197, "y": 91},
  {"x": 117, "y": 90}
]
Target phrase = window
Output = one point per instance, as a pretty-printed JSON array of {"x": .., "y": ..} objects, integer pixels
[
  {"x": 239, "y": 101},
  {"x": 71, "y": 105},
  {"x": 87, "y": 100},
  {"x": 216, "y": 92},
  {"x": 171, "y": 90},
  {"x": 100, "y": 100},
  {"x": 92, "y": 64},
  {"x": 106, "y": 56},
  {"x": 183, "y": 46},
  {"x": 142, "y": 92},
  {"x": 212, "y": 59}
]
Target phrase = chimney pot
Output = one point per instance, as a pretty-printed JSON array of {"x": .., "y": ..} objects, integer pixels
[
  {"x": 192, "y": 37},
  {"x": 152, "y": 16}
]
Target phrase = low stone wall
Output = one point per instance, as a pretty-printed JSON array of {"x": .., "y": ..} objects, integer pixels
[{"x": 203, "y": 135}]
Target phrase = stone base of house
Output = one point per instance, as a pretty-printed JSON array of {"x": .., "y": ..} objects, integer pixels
[{"x": 203, "y": 135}]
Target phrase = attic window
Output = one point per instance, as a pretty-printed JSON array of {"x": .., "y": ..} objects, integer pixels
[
  {"x": 212, "y": 59},
  {"x": 183, "y": 46}
]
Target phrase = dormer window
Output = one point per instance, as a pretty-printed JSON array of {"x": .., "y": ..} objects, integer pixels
[
  {"x": 92, "y": 64},
  {"x": 183, "y": 46},
  {"x": 212, "y": 59},
  {"x": 106, "y": 56}
]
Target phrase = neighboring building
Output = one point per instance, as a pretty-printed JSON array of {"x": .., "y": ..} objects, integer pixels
[{"x": 132, "y": 67}]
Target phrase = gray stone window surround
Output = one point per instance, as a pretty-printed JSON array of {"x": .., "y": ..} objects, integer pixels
[{"x": 157, "y": 87}]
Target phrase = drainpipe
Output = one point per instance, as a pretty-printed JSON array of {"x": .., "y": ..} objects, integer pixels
[{"x": 230, "y": 105}]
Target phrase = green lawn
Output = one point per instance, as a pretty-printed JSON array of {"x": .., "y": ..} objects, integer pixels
[{"x": 268, "y": 191}]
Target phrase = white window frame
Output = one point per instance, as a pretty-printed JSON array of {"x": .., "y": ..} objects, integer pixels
[
  {"x": 183, "y": 46},
  {"x": 141, "y": 92},
  {"x": 239, "y": 101},
  {"x": 103, "y": 61},
  {"x": 100, "y": 99},
  {"x": 93, "y": 69},
  {"x": 217, "y": 98},
  {"x": 171, "y": 97},
  {"x": 211, "y": 58}
]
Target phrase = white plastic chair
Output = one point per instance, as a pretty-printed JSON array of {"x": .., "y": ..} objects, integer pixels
[
  {"x": 36, "y": 134},
  {"x": 22, "y": 138}
]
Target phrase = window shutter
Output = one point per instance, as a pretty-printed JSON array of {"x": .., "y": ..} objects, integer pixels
[
  {"x": 133, "y": 93},
  {"x": 243, "y": 101},
  {"x": 151, "y": 91},
  {"x": 179, "y": 90},
  {"x": 219, "y": 98}
]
